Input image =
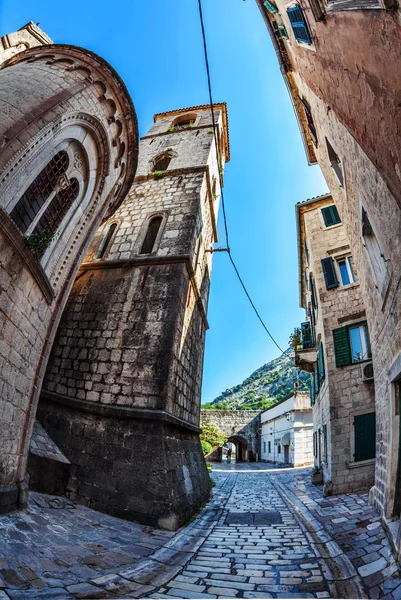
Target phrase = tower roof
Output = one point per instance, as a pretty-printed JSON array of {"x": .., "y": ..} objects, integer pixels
[{"x": 219, "y": 105}]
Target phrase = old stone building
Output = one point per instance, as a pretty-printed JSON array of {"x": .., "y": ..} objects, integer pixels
[
  {"x": 121, "y": 396},
  {"x": 335, "y": 348},
  {"x": 286, "y": 432},
  {"x": 68, "y": 139},
  {"x": 340, "y": 60}
]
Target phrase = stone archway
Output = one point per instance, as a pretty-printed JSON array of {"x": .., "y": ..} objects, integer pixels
[
  {"x": 241, "y": 428},
  {"x": 241, "y": 447}
]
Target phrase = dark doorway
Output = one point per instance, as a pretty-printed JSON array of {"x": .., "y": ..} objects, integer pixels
[{"x": 286, "y": 454}]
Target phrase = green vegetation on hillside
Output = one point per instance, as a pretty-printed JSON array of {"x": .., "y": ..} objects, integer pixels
[{"x": 265, "y": 387}]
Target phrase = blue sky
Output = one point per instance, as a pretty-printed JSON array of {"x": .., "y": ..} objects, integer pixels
[{"x": 157, "y": 49}]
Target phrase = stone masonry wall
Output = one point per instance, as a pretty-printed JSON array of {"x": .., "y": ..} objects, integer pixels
[
  {"x": 241, "y": 424},
  {"x": 130, "y": 344},
  {"x": 343, "y": 394},
  {"x": 364, "y": 186},
  {"x": 352, "y": 66},
  {"x": 47, "y": 100}
]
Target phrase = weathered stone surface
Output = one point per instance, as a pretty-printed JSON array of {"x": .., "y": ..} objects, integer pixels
[
  {"x": 122, "y": 392},
  {"x": 55, "y": 110}
]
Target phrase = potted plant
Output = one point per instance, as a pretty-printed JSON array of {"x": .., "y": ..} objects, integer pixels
[
  {"x": 295, "y": 338},
  {"x": 317, "y": 476}
]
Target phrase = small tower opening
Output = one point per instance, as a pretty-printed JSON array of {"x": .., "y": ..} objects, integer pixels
[
  {"x": 151, "y": 235},
  {"x": 104, "y": 246},
  {"x": 162, "y": 162},
  {"x": 184, "y": 122}
]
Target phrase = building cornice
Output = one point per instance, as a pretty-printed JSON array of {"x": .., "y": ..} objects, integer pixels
[{"x": 118, "y": 412}]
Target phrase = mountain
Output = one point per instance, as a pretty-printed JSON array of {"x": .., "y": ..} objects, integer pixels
[{"x": 266, "y": 386}]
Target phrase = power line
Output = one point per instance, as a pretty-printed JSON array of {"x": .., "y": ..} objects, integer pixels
[{"x": 221, "y": 181}]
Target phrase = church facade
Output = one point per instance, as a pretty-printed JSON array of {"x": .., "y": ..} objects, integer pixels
[{"x": 68, "y": 155}]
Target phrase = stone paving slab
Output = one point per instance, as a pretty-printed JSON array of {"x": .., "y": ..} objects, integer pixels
[{"x": 314, "y": 547}]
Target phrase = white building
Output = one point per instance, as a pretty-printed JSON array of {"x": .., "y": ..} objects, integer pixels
[{"x": 287, "y": 428}]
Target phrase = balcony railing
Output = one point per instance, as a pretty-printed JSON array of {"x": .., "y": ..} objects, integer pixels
[
  {"x": 306, "y": 354},
  {"x": 307, "y": 336}
]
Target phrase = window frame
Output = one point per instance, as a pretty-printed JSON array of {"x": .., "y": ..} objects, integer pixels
[
  {"x": 333, "y": 208},
  {"x": 336, "y": 163},
  {"x": 342, "y": 353},
  {"x": 307, "y": 41},
  {"x": 349, "y": 268},
  {"x": 106, "y": 241},
  {"x": 144, "y": 230},
  {"x": 365, "y": 342}
]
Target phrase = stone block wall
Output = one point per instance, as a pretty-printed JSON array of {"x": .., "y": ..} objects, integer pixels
[
  {"x": 58, "y": 102},
  {"x": 129, "y": 349},
  {"x": 240, "y": 426},
  {"x": 364, "y": 186}
]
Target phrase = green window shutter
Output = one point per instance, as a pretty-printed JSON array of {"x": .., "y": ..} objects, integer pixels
[
  {"x": 330, "y": 215},
  {"x": 365, "y": 436},
  {"x": 325, "y": 443},
  {"x": 312, "y": 391},
  {"x": 270, "y": 6},
  {"x": 321, "y": 361},
  {"x": 329, "y": 273},
  {"x": 342, "y": 349},
  {"x": 283, "y": 32},
  {"x": 316, "y": 378}
]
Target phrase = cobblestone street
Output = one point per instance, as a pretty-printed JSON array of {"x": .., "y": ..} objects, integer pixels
[{"x": 266, "y": 534}]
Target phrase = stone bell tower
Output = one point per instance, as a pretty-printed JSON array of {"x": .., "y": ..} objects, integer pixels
[{"x": 121, "y": 395}]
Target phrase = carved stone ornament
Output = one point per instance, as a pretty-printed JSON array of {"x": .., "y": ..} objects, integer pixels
[
  {"x": 78, "y": 160},
  {"x": 62, "y": 183}
]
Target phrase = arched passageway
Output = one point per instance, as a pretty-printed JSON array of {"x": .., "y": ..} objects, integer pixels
[{"x": 241, "y": 447}]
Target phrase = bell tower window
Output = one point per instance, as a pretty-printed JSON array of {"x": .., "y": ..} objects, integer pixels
[
  {"x": 149, "y": 242},
  {"x": 162, "y": 162},
  {"x": 104, "y": 246}
]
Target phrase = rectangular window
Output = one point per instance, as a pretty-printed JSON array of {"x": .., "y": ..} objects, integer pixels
[
  {"x": 312, "y": 391},
  {"x": 310, "y": 121},
  {"x": 298, "y": 24},
  {"x": 365, "y": 436},
  {"x": 270, "y": 7},
  {"x": 359, "y": 340},
  {"x": 315, "y": 444},
  {"x": 264, "y": 446},
  {"x": 329, "y": 272},
  {"x": 279, "y": 449},
  {"x": 351, "y": 344},
  {"x": 335, "y": 162},
  {"x": 306, "y": 252},
  {"x": 269, "y": 447},
  {"x": 346, "y": 270},
  {"x": 330, "y": 215},
  {"x": 283, "y": 32}
]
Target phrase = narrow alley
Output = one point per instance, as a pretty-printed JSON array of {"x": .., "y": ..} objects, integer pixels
[{"x": 266, "y": 534}]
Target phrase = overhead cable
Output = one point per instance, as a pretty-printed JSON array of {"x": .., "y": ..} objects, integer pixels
[{"x": 215, "y": 133}]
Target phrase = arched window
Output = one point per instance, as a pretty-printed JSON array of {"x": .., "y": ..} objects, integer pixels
[
  {"x": 151, "y": 235},
  {"x": 43, "y": 206},
  {"x": 162, "y": 162},
  {"x": 184, "y": 122},
  {"x": 104, "y": 245},
  {"x": 30, "y": 204}
]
